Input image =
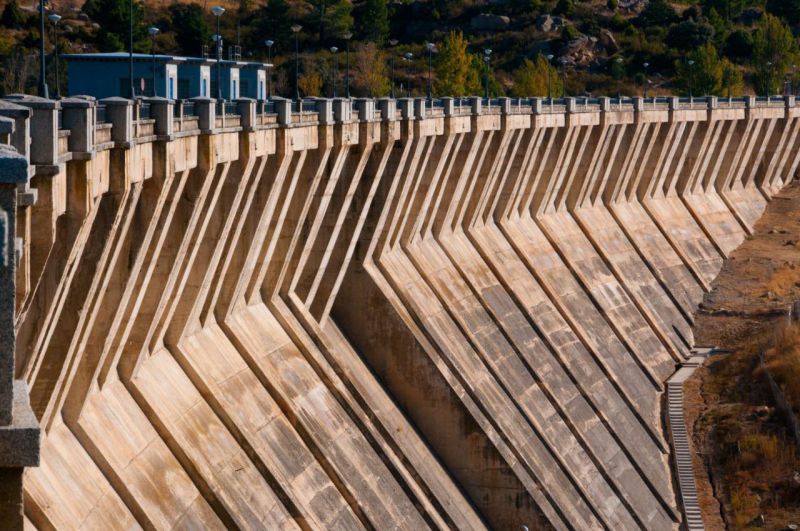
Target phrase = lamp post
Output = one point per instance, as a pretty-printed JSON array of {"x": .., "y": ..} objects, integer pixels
[
  {"x": 130, "y": 47},
  {"x": 691, "y": 81},
  {"x": 335, "y": 59},
  {"x": 42, "y": 79},
  {"x": 487, "y": 57},
  {"x": 296, "y": 30},
  {"x": 408, "y": 56},
  {"x": 269, "y": 44},
  {"x": 55, "y": 18},
  {"x": 563, "y": 63},
  {"x": 392, "y": 43},
  {"x": 153, "y": 31},
  {"x": 430, "y": 47},
  {"x": 347, "y": 36},
  {"x": 217, "y": 11},
  {"x": 618, "y": 62},
  {"x": 769, "y": 79},
  {"x": 646, "y": 81},
  {"x": 549, "y": 79}
]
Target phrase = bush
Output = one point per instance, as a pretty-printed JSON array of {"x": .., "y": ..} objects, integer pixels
[
  {"x": 657, "y": 13},
  {"x": 739, "y": 45},
  {"x": 688, "y": 35},
  {"x": 612, "y": 4}
]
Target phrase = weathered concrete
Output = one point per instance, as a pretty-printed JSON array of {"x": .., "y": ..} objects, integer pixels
[{"x": 375, "y": 313}]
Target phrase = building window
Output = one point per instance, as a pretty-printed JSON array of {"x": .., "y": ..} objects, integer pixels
[
  {"x": 172, "y": 88},
  {"x": 203, "y": 92},
  {"x": 234, "y": 94},
  {"x": 245, "y": 88}
]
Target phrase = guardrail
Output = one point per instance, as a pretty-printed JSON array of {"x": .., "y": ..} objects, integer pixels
[{"x": 100, "y": 114}]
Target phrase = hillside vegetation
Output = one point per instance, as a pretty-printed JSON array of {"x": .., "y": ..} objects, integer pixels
[{"x": 723, "y": 47}]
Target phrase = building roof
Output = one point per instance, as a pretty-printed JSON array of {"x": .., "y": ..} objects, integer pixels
[{"x": 124, "y": 57}]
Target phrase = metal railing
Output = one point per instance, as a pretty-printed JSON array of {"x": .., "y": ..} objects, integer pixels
[
  {"x": 143, "y": 110},
  {"x": 100, "y": 114},
  {"x": 231, "y": 108}
]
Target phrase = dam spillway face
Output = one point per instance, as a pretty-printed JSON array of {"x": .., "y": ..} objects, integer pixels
[{"x": 376, "y": 314}]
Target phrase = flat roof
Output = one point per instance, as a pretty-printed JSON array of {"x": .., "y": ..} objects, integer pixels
[{"x": 124, "y": 56}]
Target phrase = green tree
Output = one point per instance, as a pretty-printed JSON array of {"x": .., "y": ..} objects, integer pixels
[
  {"x": 657, "y": 13},
  {"x": 334, "y": 17},
  {"x": 700, "y": 72},
  {"x": 732, "y": 83},
  {"x": 774, "y": 50},
  {"x": 531, "y": 79},
  {"x": 12, "y": 16},
  {"x": 688, "y": 35},
  {"x": 113, "y": 16},
  {"x": 452, "y": 65},
  {"x": 728, "y": 9},
  {"x": 191, "y": 27},
  {"x": 739, "y": 45},
  {"x": 272, "y": 21},
  {"x": 370, "y": 75},
  {"x": 375, "y": 21}
]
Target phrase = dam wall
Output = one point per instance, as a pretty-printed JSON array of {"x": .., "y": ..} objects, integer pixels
[{"x": 365, "y": 313}]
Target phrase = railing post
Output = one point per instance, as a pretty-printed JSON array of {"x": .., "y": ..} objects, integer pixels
[
  {"x": 19, "y": 430},
  {"x": 119, "y": 113},
  {"x": 638, "y": 104},
  {"x": 44, "y": 128},
  {"x": 570, "y": 105},
  {"x": 161, "y": 110},
  {"x": 387, "y": 107},
  {"x": 605, "y": 104},
  {"x": 246, "y": 107},
  {"x": 206, "y": 110},
  {"x": 78, "y": 117}
]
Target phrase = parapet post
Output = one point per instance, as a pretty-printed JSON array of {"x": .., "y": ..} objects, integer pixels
[
  {"x": 388, "y": 108},
  {"x": 119, "y": 112},
  {"x": 536, "y": 106},
  {"x": 325, "y": 111},
  {"x": 419, "y": 108},
  {"x": 162, "y": 110},
  {"x": 366, "y": 109},
  {"x": 246, "y": 107},
  {"x": 6, "y": 130},
  {"x": 19, "y": 430},
  {"x": 342, "y": 110},
  {"x": 206, "y": 114},
  {"x": 406, "y": 108},
  {"x": 790, "y": 101},
  {"x": 283, "y": 108},
  {"x": 77, "y": 115},
  {"x": 44, "y": 129},
  {"x": 448, "y": 106},
  {"x": 476, "y": 103},
  {"x": 21, "y": 137}
]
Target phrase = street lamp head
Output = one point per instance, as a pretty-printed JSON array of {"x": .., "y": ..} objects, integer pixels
[
  {"x": 296, "y": 28},
  {"x": 646, "y": 65},
  {"x": 408, "y": 56},
  {"x": 347, "y": 36},
  {"x": 691, "y": 63},
  {"x": 216, "y": 37},
  {"x": 393, "y": 42},
  {"x": 430, "y": 46},
  {"x": 153, "y": 31},
  {"x": 550, "y": 57},
  {"x": 334, "y": 49},
  {"x": 217, "y": 11},
  {"x": 54, "y": 18},
  {"x": 269, "y": 43},
  {"x": 486, "y": 59},
  {"x": 487, "y": 51}
]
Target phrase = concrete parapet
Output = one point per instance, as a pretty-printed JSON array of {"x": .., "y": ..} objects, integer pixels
[
  {"x": 713, "y": 102},
  {"x": 448, "y": 104},
  {"x": 43, "y": 127},
  {"x": 78, "y": 117},
  {"x": 406, "y": 106},
  {"x": 476, "y": 103},
  {"x": 206, "y": 113},
  {"x": 419, "y": 108},
  {"x": 119, "y": 113},
  {"x": 505, "y": 105},
  {"x": 536, "y": 106},
  {"x": 605, "y": 104},
  {"x": 161, "y": 110},
  {"x": 20, "y": 138},
  {"x": 246, "y": 107},
  {"x": 283, "y": 108}
]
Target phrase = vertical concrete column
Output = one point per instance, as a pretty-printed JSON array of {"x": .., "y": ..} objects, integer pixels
[
  {"x": 283, "y": 108},
  {"x": 342, "y": 110},
  {"x": 161, "y": 110},
  {"x": 366, "y": 109},
  {"x": 505, "y": 105},
  {"x": 388, "y": 107},
  {"x": 571, "y": 105},
  {"x": 638, "y": 104},
  {"x": 476, "y": 104},
  {"x": 713, "y": 102},
  {"x": 419, "y": 108},
  {"x": 77, "y": 115},
  {"x": 19, "y": 431},
  {"x": 790, "y": 101},
  {"x": 749, "y": 102},
  {"x": 44, "y": 128},
  {"x": 21, "y": 137},
  {"x": 536, "y": 106},
  {"x": 206, "y": 111},
  {"x": 406, "y": 108},
  {"x": 448, "y": 106},
  {"x": 325, "y": 111},
  {"x": 605, "y": 104},
  {"x": 674, "y": 103},
  {"x": 119, "y": 113},
  {"x": 246, "y": 107}
]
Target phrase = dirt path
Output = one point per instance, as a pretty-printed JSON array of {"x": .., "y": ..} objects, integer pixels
[{"x": 726, "y": 398}]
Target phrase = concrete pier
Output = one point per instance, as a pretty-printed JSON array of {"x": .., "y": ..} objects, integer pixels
[{"x": 369, "y": 313}]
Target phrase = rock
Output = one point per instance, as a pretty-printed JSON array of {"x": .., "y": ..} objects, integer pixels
[
  {"x": 487, "y": 22},
  {"x": 84, "y": 17},
  {"x": 758, "y": 521},
  {"x": 632, "y": 6},
  {"x": 790, "y": 242},
  {"x": 792, "y": 527},
  {"x": 762, "y": 411},
  {"x": 608, "y": 41},
  {"x": 580, "y": 51},
  {"x": 544, "y": 23}
]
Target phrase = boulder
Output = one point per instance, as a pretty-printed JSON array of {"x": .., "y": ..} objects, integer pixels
[
  {"x": 580, "y": 51},
  {"x": 608, "y": 41},
  {"x": 488, "y": 22},
  {"x": 544, "y": 23}
]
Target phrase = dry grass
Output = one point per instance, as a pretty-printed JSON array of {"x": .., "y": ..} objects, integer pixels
[{"x": 783, "y": 362}]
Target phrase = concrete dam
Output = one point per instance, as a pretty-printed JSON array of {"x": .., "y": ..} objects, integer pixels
[{"x": 381, "y": 314}]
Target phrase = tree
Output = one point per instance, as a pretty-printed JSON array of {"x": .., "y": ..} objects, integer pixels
[
  {"x": 334, "y": 17},
  {"x": 732, "y": 83},
  {"x": 657, "y": 13},
  {"x": 452, "y": 65},
  {"x": 114, "y": 19},
  {"x": 788, "y": 9},
  {"x": 310, "y": 81},
  {"x": 191, "y": 27},
  {"x": 739, "y": 46},
  {"x": 375, "y": 21},
  {"x": 370, "y": 76},
  {"x": 12, "y": 16},
  {"x": 700, "y": 72},
  {"x": 688, "y": 35},
  {"x": 774, "y": 50},
  {"x": 728, "y": 9},
  {"x": 272, "y": 21},
  {"x": 531, "y": 79}
]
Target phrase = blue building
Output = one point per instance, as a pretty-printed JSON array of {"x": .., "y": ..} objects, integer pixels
[{"x": 103, "y": 75}]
